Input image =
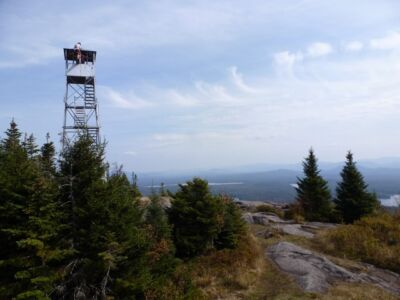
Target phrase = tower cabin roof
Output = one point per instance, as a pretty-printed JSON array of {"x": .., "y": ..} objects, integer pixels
[{"x": 88, "y": 55}]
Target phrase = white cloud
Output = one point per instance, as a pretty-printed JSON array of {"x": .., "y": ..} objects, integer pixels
[
  {"x": 179, "y": 99},
  {"x": 319, "y": 49},
  {"x": 132, "y": 153},
  {"x": 238, "y": 81},
  {"x": 354, "y": 46},
  {"x": 117, "y": 99},
  {"x": 167, "y": 139},
  {"x": 390, "y": 41},
  {"x": 322, "y": 97},
  {"x": 287, "y": 58},
  {"x": 129, "y": 27}
]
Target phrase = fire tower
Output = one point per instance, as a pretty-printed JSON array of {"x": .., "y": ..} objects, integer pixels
[{"x": 81, "y": 108}]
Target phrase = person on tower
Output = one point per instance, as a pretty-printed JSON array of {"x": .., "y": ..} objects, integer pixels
[{"x": 78, "y": 54}]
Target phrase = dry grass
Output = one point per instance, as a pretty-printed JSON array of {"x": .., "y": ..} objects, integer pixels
[
  {"x": 273, "y": 284},
  {"x": 229, "y": 274},
  {"x": 269, "y": 209},
  {"x": 347, "y": 291},
  {"x": 374, "y": 239},
  {"x": 246, "y": 273}
]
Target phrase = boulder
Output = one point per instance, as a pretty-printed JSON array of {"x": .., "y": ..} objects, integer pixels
[
  {"x": 262, "y": 218},
  {"x": 316, "y": 273},
  {"x": 293, "y": 229}
]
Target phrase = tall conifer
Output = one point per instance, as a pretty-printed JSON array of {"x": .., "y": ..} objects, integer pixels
[
  {"x": 313, "y": 193},
  {"x": 195, "y": 217},
  {"x": 352, "y": 198},
  {"x": 105, "y": 228},
  {"x": 29, "y": 223}
]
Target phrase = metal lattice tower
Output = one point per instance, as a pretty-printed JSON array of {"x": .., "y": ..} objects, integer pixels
[{"x": 81, "y": 108}]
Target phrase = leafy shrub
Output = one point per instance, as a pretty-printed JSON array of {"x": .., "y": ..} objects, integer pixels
[
  {"x": 220, "y": 272},
  {"x": 373, "y": 239},
  {"x": 233, "y": 225},
  {"x": 294, "y": 212},
  {"x": 202, "y": 221},
  {"x": 269, "y": 209}
]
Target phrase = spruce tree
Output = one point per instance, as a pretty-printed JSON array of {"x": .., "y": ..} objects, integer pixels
[
  {"x": 135, "y": 188},
  {"x": 30, "y": 146},
  {"x": 313, "y": 194},
  {"x": 161, "y": 253},
  {"x": 353, "y": 201},
  {"x": 15, "y": 186},
  {"x": 29, "y": 223},
  {"x": 106, "y": 229},
  {"x": 233, "y": 224},
  {"x": 47, "y": 157},
  {"x": 195, "y": 217}
]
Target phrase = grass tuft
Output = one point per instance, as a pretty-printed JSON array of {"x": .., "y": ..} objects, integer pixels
[{"x": 373, "y": 239}]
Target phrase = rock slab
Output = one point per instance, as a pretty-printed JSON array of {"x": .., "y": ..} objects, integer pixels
[{"x": 316, "y": 273}]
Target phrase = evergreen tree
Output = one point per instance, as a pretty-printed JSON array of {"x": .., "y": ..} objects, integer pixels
[
  {"x": 157, "y": 219},
  {"x": 106, "y": 229},
  {"x": 28, "y": 218},
  {"x": 47, "y": 157},
  {"x": 161, "y": 253},
  {"x": 135, "y": 188},
  {"x": 353, "y": 201},
  {"x": 15, "y": 183},
  {"x": 30, "y": 146},
  {"x": 163, "y": 193},
  {"x": 313, "y": 194},
  {"x": 196, "y": 218},
  {"x": 233, "y": 224}
]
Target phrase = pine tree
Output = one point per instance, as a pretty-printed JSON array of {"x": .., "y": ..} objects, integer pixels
[
  {"x": 135, "y": 188},
  {"x": 157, "y": 219},
  {"x": 30, "y": 146},
  {"x": 313, "y": 194},
  {"x": 161, "y": 253},
  {"x": 353, "y": 201},
  {"x": 15, "y": 186},
  {"x": 29, "y": 223},
  {"x": 81, "y": 172},
  {"x": 233, "y": 224},
  {"x": 195, "y": 217},
  {"x": 47, "y": 157},
  {"x": 106, "y": 229}
]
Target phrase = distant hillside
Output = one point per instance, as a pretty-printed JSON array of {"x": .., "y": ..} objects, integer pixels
[{"x": 273, "y": 185}]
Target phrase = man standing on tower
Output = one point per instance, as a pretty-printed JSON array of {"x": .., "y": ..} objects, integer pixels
[{"x": 78, "y": 53}]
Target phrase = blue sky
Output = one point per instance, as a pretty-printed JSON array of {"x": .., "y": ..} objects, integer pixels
[{"x": 209, "y": 84}]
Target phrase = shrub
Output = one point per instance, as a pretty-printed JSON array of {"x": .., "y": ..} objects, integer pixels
[
  {"x": 373, "y": 239},
  {"x": 295, "y": 212},
  {"x": 202, "y": 221},
  {"x": 269, "y": 209}
]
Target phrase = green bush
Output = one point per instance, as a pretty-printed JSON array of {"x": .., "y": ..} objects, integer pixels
[
  {"x": 373, "y": 239},
  {"x": 201, "y": 221},
  {"x": 294, "y": 212},
  {"x": 269, "y": 209}
]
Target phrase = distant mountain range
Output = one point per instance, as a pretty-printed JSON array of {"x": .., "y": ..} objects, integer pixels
[{"x": 275, "y": 182}]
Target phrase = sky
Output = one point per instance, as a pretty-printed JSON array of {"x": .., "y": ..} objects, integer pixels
[{"x": 190, "y": 85}]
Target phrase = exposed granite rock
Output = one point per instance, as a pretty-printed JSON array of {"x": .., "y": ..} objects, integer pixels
[
  {"x": 262, "y": 218},
  {"x": 307, "y": 230},
  {"x": 252, "y": 205},
  {"x": 293, "y": 229},
  {"x": 287, "y": 227},
  {"x": 315, "y": 273}
]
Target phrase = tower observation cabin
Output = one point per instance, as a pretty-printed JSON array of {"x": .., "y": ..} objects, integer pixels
[{"x": 81, "y": 108}]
